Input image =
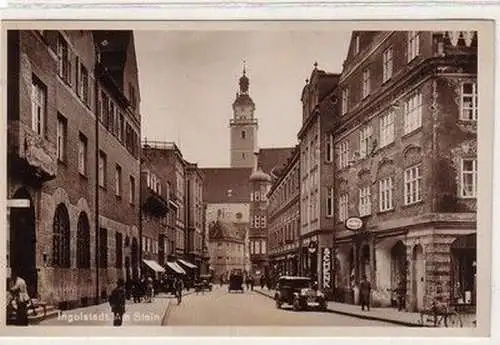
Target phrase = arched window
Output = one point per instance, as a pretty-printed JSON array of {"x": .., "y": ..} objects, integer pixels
[
  {"x": 60, "y": 248},
  {"x": 83, "y": 242}
]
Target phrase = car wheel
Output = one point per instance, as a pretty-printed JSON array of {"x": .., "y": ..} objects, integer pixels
[
  {"x": 296, "y": 304},
  {"x": 278, "y": 303}
]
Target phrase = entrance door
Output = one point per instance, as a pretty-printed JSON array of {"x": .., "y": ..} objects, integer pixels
[
  {"x": 23, "y": 242},
  {"x": 418, "y": 276}
]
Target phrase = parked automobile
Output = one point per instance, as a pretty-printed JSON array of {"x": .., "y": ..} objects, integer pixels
[{"x": 299, "y": 292}]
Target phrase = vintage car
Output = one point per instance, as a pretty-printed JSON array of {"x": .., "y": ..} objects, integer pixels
[
  {"x": 300, "y": 293},
  {"x": 235, "y": 281},
  {"x": 204, "y": 283}
]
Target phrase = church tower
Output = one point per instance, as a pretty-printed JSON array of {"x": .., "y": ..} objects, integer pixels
[{"x": 243, "y": 127}]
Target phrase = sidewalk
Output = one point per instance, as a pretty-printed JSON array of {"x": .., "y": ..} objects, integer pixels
[
  {"x": 379, "y": 314},
  {"x": 136, "y": 314}
]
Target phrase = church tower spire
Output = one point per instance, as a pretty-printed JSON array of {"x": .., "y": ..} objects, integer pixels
[{"x": 243, "y": 125}]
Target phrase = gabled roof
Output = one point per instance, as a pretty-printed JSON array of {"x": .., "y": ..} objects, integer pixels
[
  {"x": 365, "y": 39},
  {"x": 226, "y": 185},
  {"x": 273, "y": 160}
]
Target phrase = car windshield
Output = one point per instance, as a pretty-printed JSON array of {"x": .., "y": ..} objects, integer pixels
[{"x": 297, "y": 283}]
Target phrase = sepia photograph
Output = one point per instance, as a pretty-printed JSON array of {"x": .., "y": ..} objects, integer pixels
[{"x": 223, "y": 176}]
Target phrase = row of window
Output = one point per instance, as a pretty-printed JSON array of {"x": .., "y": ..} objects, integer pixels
[
  {"x": 412, "y": 120},
  {"x": 310, "y": 207},
  {"x": 259, "y": 222},
  {"x": 258, "y": 247},
  {"x": 61, "y": 242},
  {"x": 65, "y": 70},
  {"x": 150, "y": 245},
  {"x": 113, "y": 120},
  {"x": 286, "y": 190},
  {"x": 103, "y": 173},
  {"x": 310, "y": 156},
  {"x": 413, "y": 50},
  {"x": 285, "y": 234},
  {"x": 153, "y": 182},
  {"x": 412, "y": 190},
  {"x": 259, "y": 195},
  {"x": 109, "y": 113}
]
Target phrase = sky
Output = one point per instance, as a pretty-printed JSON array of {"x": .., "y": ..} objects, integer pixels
[{"x": 189, "y": 79}]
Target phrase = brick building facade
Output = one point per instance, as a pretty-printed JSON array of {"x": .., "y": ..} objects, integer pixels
[
  {"x": 73, "y": 151},
  {"x": 157, "y": 212},
  {"x": 406, "y": 165}
]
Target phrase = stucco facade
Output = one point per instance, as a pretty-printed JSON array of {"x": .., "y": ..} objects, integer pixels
[{"x": 406, "y": 161}]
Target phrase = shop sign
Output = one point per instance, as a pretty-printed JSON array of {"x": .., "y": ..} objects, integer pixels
[
  {"x": 326, "y": 261},
  {"x": 354, "y": 223}
]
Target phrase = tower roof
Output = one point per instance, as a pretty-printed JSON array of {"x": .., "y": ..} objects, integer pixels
[
  {"x": 260, "y": 176},
  {"x": 243, "y": 98}
]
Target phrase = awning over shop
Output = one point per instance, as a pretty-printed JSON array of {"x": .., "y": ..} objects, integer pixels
[
  {"x": 154, "y": 265},
  {"x": 175, "y": 267},
  {"x": 187, "y": 264}
]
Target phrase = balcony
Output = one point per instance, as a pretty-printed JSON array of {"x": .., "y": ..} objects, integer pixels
[
  {"x": 31, "y": 154},
  {"x": 154, "y": 203}
]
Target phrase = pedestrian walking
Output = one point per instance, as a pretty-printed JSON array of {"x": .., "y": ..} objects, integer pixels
[
  {"x": 364, "y": 293},
  {"x": 20, "y": 298},
  {"x": 251, "y": 283},
  {"x": 117, "y": 302},
  {"x": 136, "y": 291},
  {"x": 262, "y": 282},
  {"x": 149, "y": 290},
  {"x": 178, "y": 286}
]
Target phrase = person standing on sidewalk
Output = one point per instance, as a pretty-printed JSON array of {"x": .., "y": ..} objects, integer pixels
[
  {"x": 365, "y": 289},
  {"x": 19, "y": 291},
  {"x": 117, "y": 302}
]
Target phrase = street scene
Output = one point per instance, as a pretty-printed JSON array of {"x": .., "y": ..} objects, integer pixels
[{"x": 242, "y": 178}]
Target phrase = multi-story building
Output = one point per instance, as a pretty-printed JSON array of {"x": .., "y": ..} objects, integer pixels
[
  {"x": 73, "y": 155},
  {"x": 227, "y": 247},
  {"x": 316, "y": 176},
  {"x": 155, "y": 191},
  {"x": 226, "y": 194},
  {"x": 406, "y": 145},
  {"x": 195, "y": 213},
  {"x": 284, "y": 219},
  {"x": 260, "y": 183}
]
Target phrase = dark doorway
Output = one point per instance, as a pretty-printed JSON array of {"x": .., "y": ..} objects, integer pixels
[
  {"x": 23, "y": 242},
  {"x": 127, "y": 268},
  {"x": 135, "y": 259}
]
